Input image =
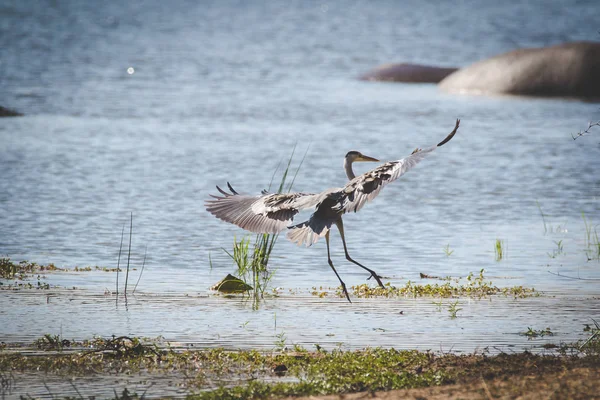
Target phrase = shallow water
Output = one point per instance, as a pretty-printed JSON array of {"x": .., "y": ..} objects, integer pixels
[{"x": 222, "y": 92}]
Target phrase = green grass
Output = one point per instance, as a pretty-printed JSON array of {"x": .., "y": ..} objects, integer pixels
[
  {"x": 592, "y": 241},
  {"x": 453, "y": 309},
  {"x": 558, "y": 251},
  {"x": 499, "y": 249},
  {"x": 448, "y": 251}
]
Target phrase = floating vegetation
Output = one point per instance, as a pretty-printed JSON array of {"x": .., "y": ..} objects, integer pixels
[
  {"x": 23, "y": 269},
  {"x": 534, "y": 333},
  {"x": 31, "y": 275},
  {"x": 475, "y": 286}
]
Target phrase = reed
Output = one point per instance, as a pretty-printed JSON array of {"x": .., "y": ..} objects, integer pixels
[
  {"x": 543, "y": 216},
  {"x": 592, "y": 241},
  {"x": 499, "y": 249},
  {"x": 128, "y": 253},
  {"x": 119, "y": 263}
]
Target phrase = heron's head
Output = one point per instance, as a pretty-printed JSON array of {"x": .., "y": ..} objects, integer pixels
[{"x": 354, "y": 156}]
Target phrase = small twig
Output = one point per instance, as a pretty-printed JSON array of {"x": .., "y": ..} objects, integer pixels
[
  {"x": 129, "y": 254},
  {"x": 586, "y": 131},
  {"x": 119, "y": 260},
  {"x": 574, "y": 277},
  {"x": 142, "y": 270}
]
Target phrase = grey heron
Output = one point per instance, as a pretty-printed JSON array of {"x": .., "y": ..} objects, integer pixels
[{"x": 274, "y": 212}]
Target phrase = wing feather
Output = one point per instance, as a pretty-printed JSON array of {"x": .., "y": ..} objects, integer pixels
[
  {"x": 267, "y": 213},
  {"x": 367, "y": 186}
]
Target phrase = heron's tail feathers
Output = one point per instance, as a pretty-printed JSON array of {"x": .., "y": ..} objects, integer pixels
[{"x": 306, "y": 233}]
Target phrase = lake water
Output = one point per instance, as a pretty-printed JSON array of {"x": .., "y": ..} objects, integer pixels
[{"x": 143, "y": 107}]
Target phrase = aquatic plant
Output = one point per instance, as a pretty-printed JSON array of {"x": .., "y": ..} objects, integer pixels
[
  {"x": 543, "y": 217},
  {"x": 128, "y": 267},
  {"x": 499, "y": 249},
  {"x": 23, "y": 269},
  {"x": 453, "y": 309},
  {"x": 280, "y": 341},
  {"x": 447, "y": 250},
  {"x": 533, "y": 333},
  {"x": 559, "y": 249},
  {"x": 592, "y": 241}
]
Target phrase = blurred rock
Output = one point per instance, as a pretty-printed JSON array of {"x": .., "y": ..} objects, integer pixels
[
  {"x": 566, "y": 70},
  {"x": 405, "y": 72},
  {"x": 6, "y": 112}
]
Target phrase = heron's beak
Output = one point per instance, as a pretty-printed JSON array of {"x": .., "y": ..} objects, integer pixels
[{"x": 366, "y": 158}]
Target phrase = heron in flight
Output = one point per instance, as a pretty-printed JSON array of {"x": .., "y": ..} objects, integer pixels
[{"x": 274, "y": 212}]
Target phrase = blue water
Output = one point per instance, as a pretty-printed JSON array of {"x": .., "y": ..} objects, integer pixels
[{"x": 143, "y": 107}]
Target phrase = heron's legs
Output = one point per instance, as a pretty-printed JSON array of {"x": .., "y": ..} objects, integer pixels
[
  {"x": 333, "y": 268},
  {"x": 340, "y": 226}
]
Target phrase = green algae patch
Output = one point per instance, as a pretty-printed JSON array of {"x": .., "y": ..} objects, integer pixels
[
  {"x": 475, "y": 286},
  {"x": 23, "y": 269}
]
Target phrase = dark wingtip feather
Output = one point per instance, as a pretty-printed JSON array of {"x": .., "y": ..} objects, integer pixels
[
  {"x": 230, "y": 188},
  {"x": 223, "y": 192},
  {"x": 451, "y": 135}
]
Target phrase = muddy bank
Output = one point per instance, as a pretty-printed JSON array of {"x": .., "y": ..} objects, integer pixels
[{"x": 129, "y": 366}]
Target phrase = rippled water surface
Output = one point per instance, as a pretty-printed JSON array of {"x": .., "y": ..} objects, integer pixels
[{"x": 144, "y": 107}]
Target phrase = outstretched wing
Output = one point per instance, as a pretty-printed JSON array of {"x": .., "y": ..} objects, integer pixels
[
  {"x": 267, "y": 213},
  {"x": 367, "y": 186}
]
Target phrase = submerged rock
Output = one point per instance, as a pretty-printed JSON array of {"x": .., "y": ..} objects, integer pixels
[
  {"x": 406, "y": 72},
  {"x": 231, "y": 284},
  {"x": 6, "y": 112}
]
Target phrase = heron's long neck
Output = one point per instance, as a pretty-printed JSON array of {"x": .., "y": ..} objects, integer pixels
[{"x": 348, "y": 168}]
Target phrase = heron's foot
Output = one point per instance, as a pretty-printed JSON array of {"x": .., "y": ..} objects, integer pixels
[
  {"x": 346, "y": 292},
  {"x": 377, "y": 278}
]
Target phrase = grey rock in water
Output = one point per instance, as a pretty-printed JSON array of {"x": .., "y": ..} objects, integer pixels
[
  {"x": 406, "y": 72},
  {"x": 6, "y": 112},
  {"x": 566, "y": 70}
]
